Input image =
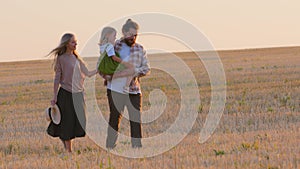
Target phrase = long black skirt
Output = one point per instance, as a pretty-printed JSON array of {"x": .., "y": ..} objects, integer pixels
[{"x": 73, "y": 120}]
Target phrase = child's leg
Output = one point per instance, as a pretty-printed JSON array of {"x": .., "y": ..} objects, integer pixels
[
  {"x": 106, "y": 78},
  {"x": 126, "y": 87},
  {"x": 128, "y": 80}
]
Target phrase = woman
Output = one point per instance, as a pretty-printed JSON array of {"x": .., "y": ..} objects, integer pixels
[{"x": 70, "y": 72}]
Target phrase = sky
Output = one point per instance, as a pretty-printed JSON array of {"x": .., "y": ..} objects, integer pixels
[{"x": 31, "y": 28}]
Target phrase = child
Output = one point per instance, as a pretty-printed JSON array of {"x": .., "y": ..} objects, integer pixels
[{"x": 109, "y": 62}]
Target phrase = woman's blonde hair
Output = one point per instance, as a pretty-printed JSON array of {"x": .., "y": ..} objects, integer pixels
[
  {"x": 106, "y": 31},
  {"x": 62, "y": 48}
]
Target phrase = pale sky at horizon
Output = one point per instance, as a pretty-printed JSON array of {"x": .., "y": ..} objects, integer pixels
[{"x": 31, "y": 28}]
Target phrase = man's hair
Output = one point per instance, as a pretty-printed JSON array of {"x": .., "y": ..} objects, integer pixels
[{"x": 129, "y": 24}]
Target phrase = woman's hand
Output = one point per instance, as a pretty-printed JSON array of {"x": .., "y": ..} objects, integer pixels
[{"x": 53, "y": 101}]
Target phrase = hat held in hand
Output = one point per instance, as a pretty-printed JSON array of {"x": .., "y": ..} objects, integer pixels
[{"x": 53, "y": 114}]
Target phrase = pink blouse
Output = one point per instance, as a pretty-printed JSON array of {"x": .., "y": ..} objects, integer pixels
[{"x": 70, "y": 73}]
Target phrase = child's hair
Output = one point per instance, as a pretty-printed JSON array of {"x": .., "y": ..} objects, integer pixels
[{"x": 106, "y": 31}]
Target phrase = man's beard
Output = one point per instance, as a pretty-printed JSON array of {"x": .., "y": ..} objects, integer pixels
[{"x": 129, "y": 42}]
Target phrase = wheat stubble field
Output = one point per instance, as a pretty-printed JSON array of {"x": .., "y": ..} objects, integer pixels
[{"x": 260, "y": 126}]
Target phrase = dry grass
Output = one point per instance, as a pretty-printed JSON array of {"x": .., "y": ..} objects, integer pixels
[{"x": 259, "y": 127}]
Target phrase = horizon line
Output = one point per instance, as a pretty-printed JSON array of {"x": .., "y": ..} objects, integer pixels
[{"x": 183, "y": 51}]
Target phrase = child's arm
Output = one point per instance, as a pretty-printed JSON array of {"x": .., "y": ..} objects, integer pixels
[{"x": 117, "y": 59}]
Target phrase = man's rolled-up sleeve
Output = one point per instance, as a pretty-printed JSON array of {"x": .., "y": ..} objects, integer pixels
[{"x": 144, "y": 68}]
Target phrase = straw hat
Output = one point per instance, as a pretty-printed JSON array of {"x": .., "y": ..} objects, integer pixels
[{"x": 53, "y": 113}]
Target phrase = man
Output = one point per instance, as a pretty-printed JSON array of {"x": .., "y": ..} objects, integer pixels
[{"x": 134, "y": 53}]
